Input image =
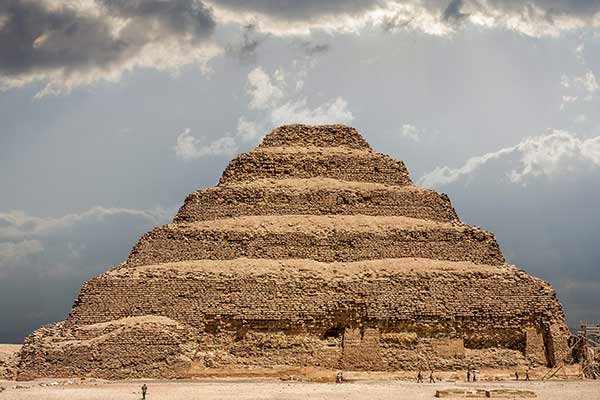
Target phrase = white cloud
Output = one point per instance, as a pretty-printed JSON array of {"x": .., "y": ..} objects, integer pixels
[
  {"x": 567, "y": 100},
  {"x": 167, "y": 56},
  {"x": 410, "y": 131},
  {"x": 444, "y": 175},
  {"x": 273, "y": 102},
  {"x": 298, "y": 112},
  {"x": 438, "y": 18},
  {"x": 565, "y": 81},
  {"x": 588, "y": 82},
  {"x": 247, "y": 130},
  {"x": 548, "y": 155},
  {"x": 337, "y": 16},
  {"x": 261, "y": 90},
  {"x": 12, "y": 252},
  {"x": 188, "y": 147},
  {"x": 578, "y": 87},
  {"x": 17, "y": 225},
  {"x": 579, "y": 51},
  {"x": 59, "y": 245},
  {"x": 584, "y": 85}
]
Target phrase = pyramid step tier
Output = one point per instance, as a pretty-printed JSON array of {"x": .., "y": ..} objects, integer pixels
[
  {"x": 315, "y": 136},
  {"x": 311, "y": 162},
  {"x": 164, "y": 318},
  {"x": 395, "y": 294},
  {"x": 317, "y": 196},
  {"x": 321, "y": 238}
]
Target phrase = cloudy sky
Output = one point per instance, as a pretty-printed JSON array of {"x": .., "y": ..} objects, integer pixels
[{"x": 113, "y": 110}]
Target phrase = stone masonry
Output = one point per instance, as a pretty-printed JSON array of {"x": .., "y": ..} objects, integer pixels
[{"x": 313, "y": 250}]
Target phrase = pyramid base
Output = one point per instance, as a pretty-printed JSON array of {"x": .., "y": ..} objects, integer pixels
[
  {"x": 172, "y": 351},
  {"x": 381, "y": 315}
]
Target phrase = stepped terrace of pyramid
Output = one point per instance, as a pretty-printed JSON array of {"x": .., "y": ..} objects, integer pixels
[{"x": 312, "y": 250}]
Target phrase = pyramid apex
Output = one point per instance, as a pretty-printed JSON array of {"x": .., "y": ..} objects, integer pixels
[{"x": 315, "y": 136}]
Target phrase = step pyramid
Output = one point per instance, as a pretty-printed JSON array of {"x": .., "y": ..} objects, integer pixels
[{"x": 312, "y": 250}]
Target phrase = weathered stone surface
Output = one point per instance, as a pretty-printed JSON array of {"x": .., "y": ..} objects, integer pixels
[
  {"x": 315, "y": 197},
  {"x": 131, "y": 347},
  {"x": 313, "y": 250},
  {"x": 335, "y": 163},
  {"x": 9, "y": 357},
  {"x": 321, "y": 238},
  {"x": 315, "y": 136}
]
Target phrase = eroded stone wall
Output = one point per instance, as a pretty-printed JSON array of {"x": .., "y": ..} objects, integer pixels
[
  {"x": 9, "y": 358},
  {"x": 307, "y": 197},
  {"x": 345, "y": 165},
  {"x": 369, "y": 318},
  {"x": 139, "y": 347},
  {"x": 292, "y": 297},
  {"x": 179, "y": 242},
  {"x": 315, "y": 136},
  {"x": 418, "y": 309}
]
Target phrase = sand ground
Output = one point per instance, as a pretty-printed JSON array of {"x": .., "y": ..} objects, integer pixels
[{"x": 269, "y": 388}]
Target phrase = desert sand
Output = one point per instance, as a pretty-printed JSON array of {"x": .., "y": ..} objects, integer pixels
[{"x": 257, "y": 388}]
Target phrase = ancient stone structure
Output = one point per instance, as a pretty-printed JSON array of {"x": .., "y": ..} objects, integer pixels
[
  {"x": 313, "y": 250},
  {"x": 9, "y": 357}
]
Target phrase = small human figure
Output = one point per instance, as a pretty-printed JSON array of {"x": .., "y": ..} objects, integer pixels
[
  {"x": 526, "y": 375},
  {"x": 517, "y": 375},
  {"x": 431, "y": 379},
  {"x": 339, "y": 378},
  {"x": 474, "y": 375},
  {"x": 419, "y": 377},
  {"x": 469, "y": 375},
  {"x": 144, "y": 390}
]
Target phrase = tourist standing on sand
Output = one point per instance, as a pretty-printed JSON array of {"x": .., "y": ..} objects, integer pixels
[
  {"x": 474, "y": 375},
  {"x": 144, "y": 390},
  {"x": 469, "y": 375},
  {"x": 527, "y": 375},
  {"x": 419, "y": 377},
  {"x": 431, "y": 379},
  {"x": 516, "y": 375}
]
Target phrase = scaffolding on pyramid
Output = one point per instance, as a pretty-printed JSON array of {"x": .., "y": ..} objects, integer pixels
[{"x": 587, "y": 343}]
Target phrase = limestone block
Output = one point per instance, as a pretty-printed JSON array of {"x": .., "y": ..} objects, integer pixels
[
  {"x": 449, "y": 347},
  {"x": 535, "y": 349}
]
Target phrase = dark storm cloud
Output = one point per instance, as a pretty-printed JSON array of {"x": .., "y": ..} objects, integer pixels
[
  {"x": 39, "y": 38},
  {"x": 582, "y": 8},
  {"x": 453, "y": 11},
  {"x": 180, "y": 17},
  {"x": 301, "y": 10},
  {"x": 532, "y": 17},
  {"x": 543, "y": 10},
  {"x": 43, "y": 261},
  {"x": 245, "y": 49},
  {"x": 35, "y": 38},
  {"x": 314, "y": 9}
]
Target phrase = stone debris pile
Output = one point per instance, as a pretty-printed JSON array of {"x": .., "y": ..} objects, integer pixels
[{"x": 313, "y": 250}]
